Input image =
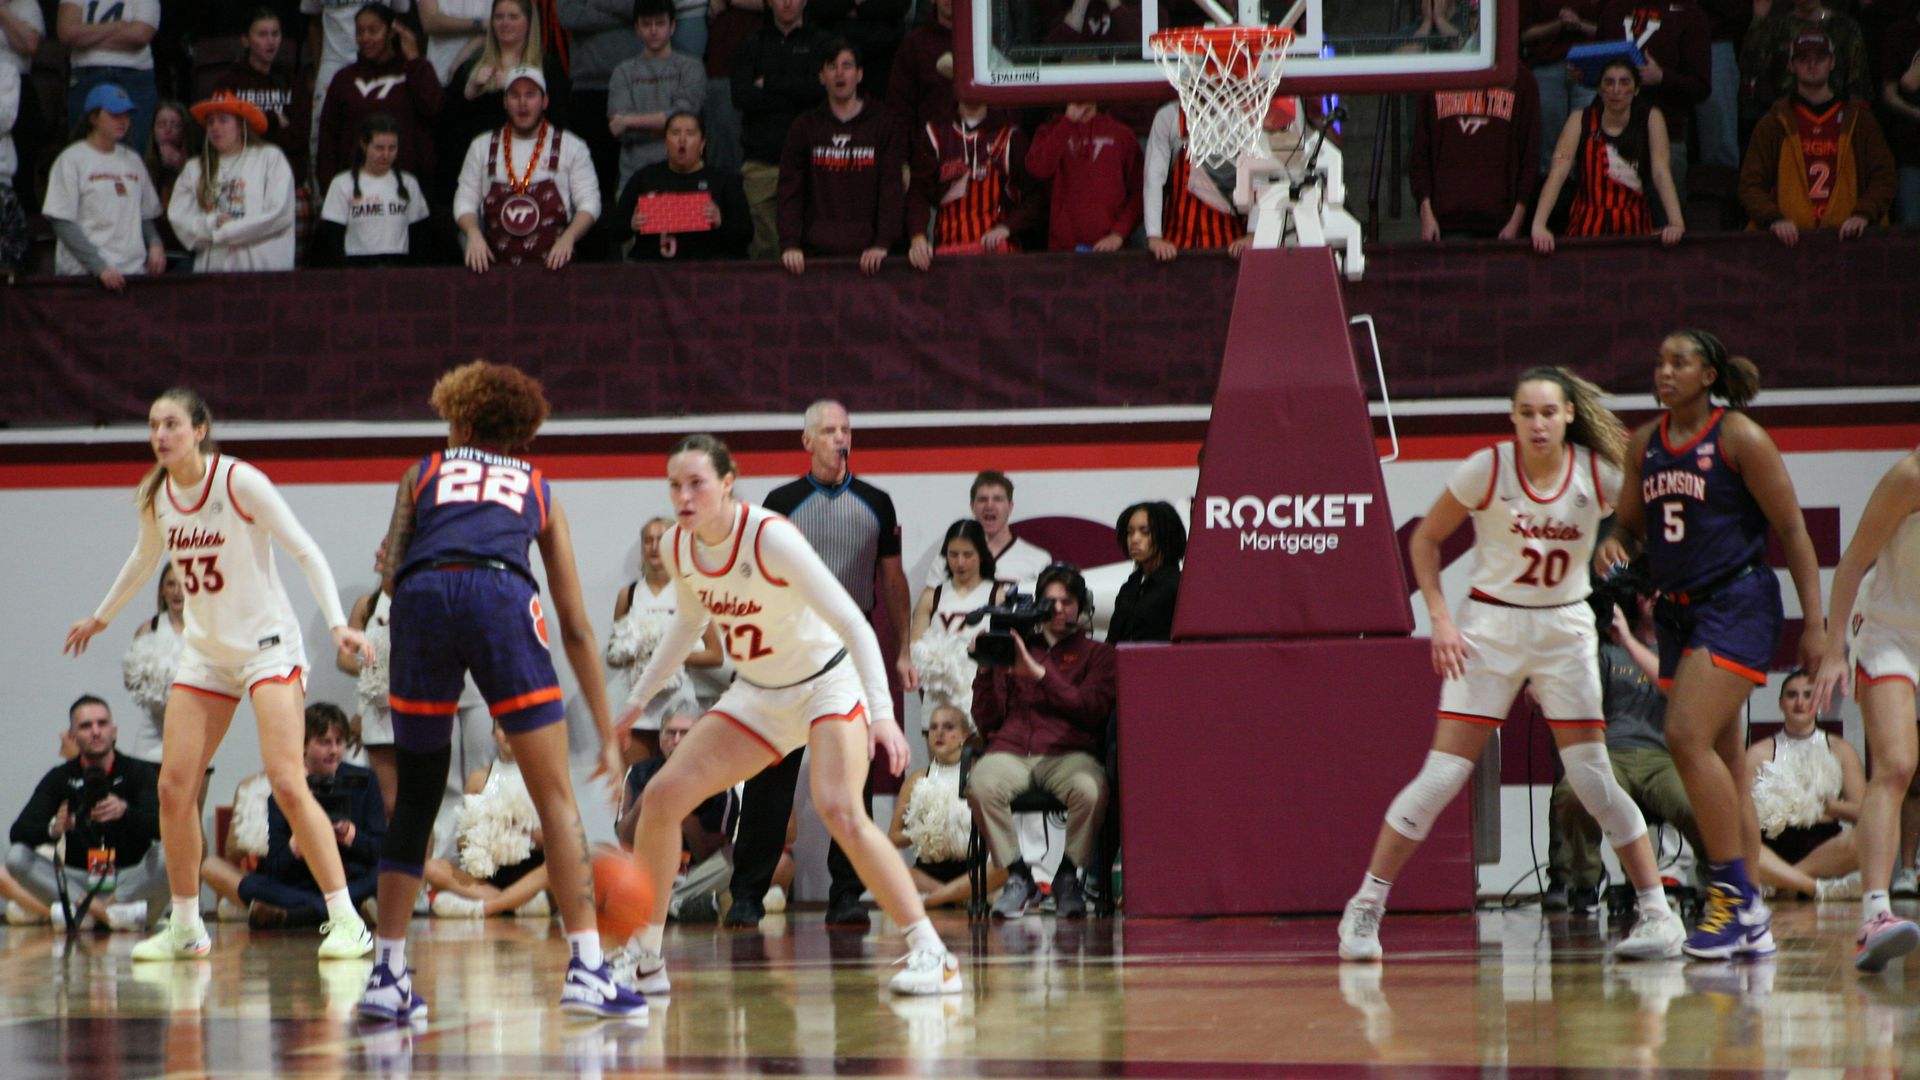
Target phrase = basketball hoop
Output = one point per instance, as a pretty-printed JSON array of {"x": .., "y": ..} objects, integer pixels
[{"x": 1226, "y": 77}]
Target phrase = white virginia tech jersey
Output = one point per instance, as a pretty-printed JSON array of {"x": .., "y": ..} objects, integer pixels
[
  {"x": 1531, "y": 548},
  {"x": 765, "y": 624},
  {"x": 1893, "y": 593},
  {"x": 236, "y": 606}
]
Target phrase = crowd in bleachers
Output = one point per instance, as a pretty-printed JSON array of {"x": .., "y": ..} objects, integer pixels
[{"x": 348, "y": 131}]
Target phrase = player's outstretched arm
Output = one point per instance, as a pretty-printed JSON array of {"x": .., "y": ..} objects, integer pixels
[
  {"x": 134, "y": 574},
  {"x": 256, "y": 498}
]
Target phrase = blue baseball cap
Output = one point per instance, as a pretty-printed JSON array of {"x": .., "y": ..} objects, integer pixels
[{"x": 109, "y": 97}]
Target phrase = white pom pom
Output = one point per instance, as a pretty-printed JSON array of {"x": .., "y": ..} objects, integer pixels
[
  {"x": 247, "y": 835},
  {"x": 372, "y": 687},
  {"x": 938, "y": 820},
  {"x": 946, "y": 671},
  {"x": 148, "y": 669},
  {"x": 496, "y": 826}
]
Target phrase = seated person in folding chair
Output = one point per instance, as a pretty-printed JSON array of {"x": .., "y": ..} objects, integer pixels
[
  {"x": 706, "y": 835},
  {"x": 1044, "y": 719}
]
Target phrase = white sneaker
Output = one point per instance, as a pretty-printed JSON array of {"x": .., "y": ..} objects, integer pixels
[
  {"x": 128, "y": 916},
  {"x": 775, "y": 901},
  {"x": 1839, "y": 888},
  {"x": 1905, "y": 885},
  {"x": 641, "y": 969},
  {"x": 228, "y": 911},
  {"x": 1654, "y": 937},
  {"x": 1360, "y": 931},
  {"x": 451, "y": 905},
  {"x": 175, "y": 941},
  {"x": 346, "y": 940},
  {"x": 539, "y": 907},
  {"x": 19, "y": 916},
  {"x": 927, "y": 973}
]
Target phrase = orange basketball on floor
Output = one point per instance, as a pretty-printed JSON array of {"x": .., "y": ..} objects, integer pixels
[{"x": 622, "y": 894}]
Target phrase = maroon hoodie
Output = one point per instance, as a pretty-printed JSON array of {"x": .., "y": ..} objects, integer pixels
[
  {"x": 406, "y": 90},
  {"x": 1095, "y": 170},
  {"x": 840, "y": 181}
]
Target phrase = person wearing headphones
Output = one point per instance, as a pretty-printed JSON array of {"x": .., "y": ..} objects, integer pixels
[{"x": 1043, "y": 719}]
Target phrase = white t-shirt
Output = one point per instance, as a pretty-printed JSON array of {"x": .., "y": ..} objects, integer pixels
[
  {"x": 1021, "y": 564},
  {"x": 100, "y": 12},
  {"x": 256, "y": 194},
  {"x": 1531, "y": 548},
  {"x": 336, "y": 30},
  {"x": 27, "y": 11},
  {"x": 108, "y": 196},
  {"x": 443, "y": 49},
  {"x": 376, "y": 221}
]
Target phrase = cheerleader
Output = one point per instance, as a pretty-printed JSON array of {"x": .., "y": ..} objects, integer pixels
[
  {"x": 1885, "y": 651},
  {"x": 1702, "y": 486},
  {"x": 941, "y": 636},
  {"x": 147, "y": 668},
  {"x": 934, "y": 819},
  {"x": 215, "y": 517},
  {"x": 809, "y": 673},
  {"x": 641, "y": 614},
  {"x": 464, "y": 599},
  {"x": 1537, "y": 504}
]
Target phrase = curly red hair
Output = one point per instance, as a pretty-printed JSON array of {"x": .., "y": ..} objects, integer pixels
[{"x": 499, "y": 405}]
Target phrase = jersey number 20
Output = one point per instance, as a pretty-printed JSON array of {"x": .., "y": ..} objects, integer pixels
[{"x": 469, "y": 481}]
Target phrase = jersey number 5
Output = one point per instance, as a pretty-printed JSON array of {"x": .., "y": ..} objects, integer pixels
[
  {"x": 469, "y": 481},
  {"x": 747, "y": 634},
  {"x": 208, "y": 577},
  {"x": 1674, "y": 515}
]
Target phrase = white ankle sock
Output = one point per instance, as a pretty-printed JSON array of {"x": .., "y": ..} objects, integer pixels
[
  {"x": 922, "y": 937},
  {"x": 339, "y": 906},
  {"x": 1874, "y": 904},
  {"x": 586, "y": 947},
  {"x": 393, "y": 953},
  {"x": 1653, "y": 901},
  {"x": 648, "y": 938},
  {"x": 186, "y": 910},
  {"x": 1373, "y": 890}
]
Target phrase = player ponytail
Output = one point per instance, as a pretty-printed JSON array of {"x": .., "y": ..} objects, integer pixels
[
  {"x": 715, "y": 450},
  {"x": 1594, "y": 426},
  {"x": 200, "y": 417},
  {"x": 1736, "y": 378},
  {"x": 500, "y": 406}
]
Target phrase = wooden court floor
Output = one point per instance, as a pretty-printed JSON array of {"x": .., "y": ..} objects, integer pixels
[{"x": 1492, "y": 994}]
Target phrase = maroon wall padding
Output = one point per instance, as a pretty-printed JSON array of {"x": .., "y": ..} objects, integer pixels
[
  {"x": 1028, "y": 331},
  {"x": 1291, "y": 532},
  {"x": 1254, "y": 776}
]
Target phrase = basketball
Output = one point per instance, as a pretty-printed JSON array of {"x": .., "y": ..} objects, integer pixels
[{"x": 622, "y": 894}]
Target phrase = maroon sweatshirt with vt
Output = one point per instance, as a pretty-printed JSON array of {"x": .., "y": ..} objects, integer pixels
[
  {"x": 1095, "y": 170},
  {"x": 842, "y": 186}
]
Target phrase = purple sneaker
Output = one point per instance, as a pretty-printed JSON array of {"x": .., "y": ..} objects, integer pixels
[
  {"x": 389, "y": 999},
  {"x": 594, "y": 992},
  {"x": 1734, "y": 924}
]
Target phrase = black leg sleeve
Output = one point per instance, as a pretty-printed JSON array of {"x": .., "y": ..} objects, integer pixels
[
  {"x": 764, "y": 809},
  {"x": 420, "y": 785}
]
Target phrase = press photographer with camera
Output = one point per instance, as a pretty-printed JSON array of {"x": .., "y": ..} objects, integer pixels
[
  {"x": 106, "y": 807},
  {"x": 1041, "y": 701},
  {"x": 281, "y": 891}
]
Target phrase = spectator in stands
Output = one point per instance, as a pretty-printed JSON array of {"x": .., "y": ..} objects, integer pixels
[
  {"x": 1615, "y": 149},
  {"x": 942, "y": 638},
  {"x": 776, "y": 77},
  {"x": 456, "y": 32},
  {"x": 1014, "y": 560},
  {"x": 110, "y": 44},
  {"x": 375, "y": 213},
  {"x": 931, "y": 816},
  {"x": 1719, "y": 115},
  {"x": 1676, "y": 44},
  {"x": 1153, "y": 538},
  {"x": 729, "y": 225},
  {"x": 1548, "y": 28},
  {"x": 728, "y": 26},
  {"x": 389, "y": 78},
  {"x": 100, "y": 200},
  {"x": 1766, "y": 57},
  {"x": 1094, "y": 164},
  {"x": 171, "y": 141},
  {"x": 920, "y": 88},
  {"x": 873, "y": 27},
  {"x": 516, "y": 209},
  {"x": 970, "y": 193},
  {"x": 641, "y": 614},
  {"x": 503, "y": 867},
  {"x": 1089, "y": 22},
  {"x": 148, "y": 667},
  {"x": 650, "y": 86},
  {"x": 1044, "y": 720},
  {"x": 602, "y": 38},
  {"x": 1473, "y": 165},
  {"x": 1635, "y": 710},
  {"x": 1901, "y": 97},
  {"x": 281, "y": 891},
  {"x": 339, "y": 42},
  {"x": 233, "y": 206},
  {"x": 1806, "y": 783},
  {"x": 1185, "y": 205},
  {"x": 270, "y": 86},
  {"x": 13, "y": 219},
  {"x": 477, "y": 94},
  {"x": 706, "y": 836},
  {"x": 1817, "y": 161},
  {"x": 106, "y": 806},
  {"x": 840, "y": 175}
]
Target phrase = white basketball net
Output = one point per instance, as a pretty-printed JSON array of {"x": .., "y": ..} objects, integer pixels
[{"x": 1226, "y": 77}]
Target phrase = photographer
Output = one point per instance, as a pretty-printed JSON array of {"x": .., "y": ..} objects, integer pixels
[
  {"x": 107, "y": 807},
  {"x": 282, "y": 891},
  {"x": 1042, "y": 715}
]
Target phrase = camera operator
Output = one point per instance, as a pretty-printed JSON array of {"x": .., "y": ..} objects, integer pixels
[
  {"x": 1043, "y": 717},
  {"x": 282, "y": 891},
  {"x": 107, "y": 807}
]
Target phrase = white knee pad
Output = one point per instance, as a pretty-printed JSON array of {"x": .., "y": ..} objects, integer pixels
[
  {"x": 1590, "y": 774},
  {"x": 1413, "y": 811}
]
